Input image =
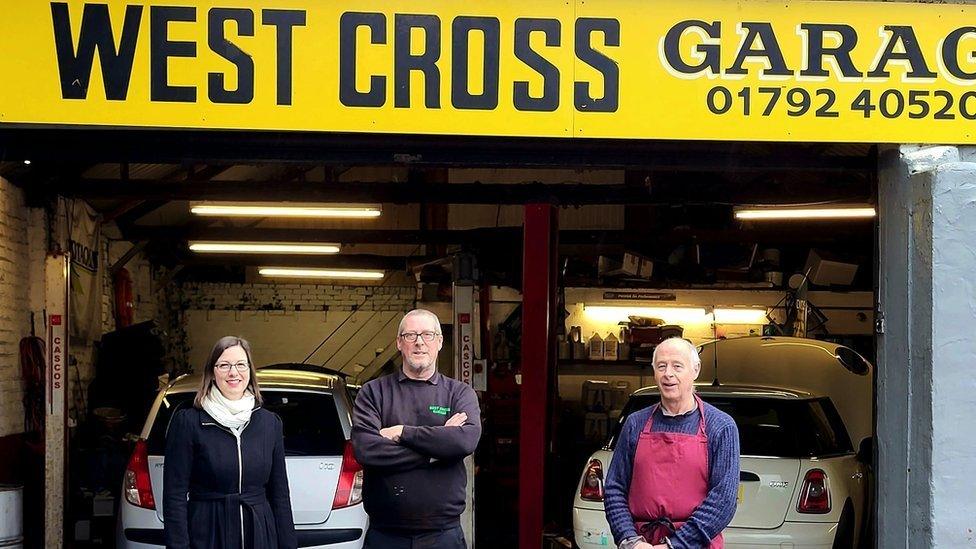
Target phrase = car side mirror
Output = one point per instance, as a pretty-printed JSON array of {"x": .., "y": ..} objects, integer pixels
[{"x": 865, "y": 451}]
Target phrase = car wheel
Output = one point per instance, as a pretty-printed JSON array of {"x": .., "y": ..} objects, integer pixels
[{"x": 845, "y": 528}]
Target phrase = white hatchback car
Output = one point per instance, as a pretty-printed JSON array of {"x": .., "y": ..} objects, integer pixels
[
  {"x": 802, "y": 484},
  {"x": 324, "y": 479}
]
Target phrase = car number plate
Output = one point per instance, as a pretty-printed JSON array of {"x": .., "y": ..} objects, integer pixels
[{"x": 738, "y": 498}]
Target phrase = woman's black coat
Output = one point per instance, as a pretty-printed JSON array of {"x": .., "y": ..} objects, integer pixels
[{"x": 202, "y": 462}]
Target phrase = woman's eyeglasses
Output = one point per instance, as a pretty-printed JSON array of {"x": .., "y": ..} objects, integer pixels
[
  {"x": 411, "y": 337},
  {"x": 224, "y": 367}
]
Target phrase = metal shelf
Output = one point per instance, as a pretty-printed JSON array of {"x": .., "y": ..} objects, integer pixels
[{"x": 604, "y": 367}]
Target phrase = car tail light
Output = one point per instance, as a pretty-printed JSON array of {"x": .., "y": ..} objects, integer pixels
[
  {"x": 350, "y": 489},
  {"x": 815, "y": 493},
  {"x": 137, "y": 485},
  {"x": 592, "y": 489}
]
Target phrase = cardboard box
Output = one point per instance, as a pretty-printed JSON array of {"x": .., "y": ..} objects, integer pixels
[
  {"x": 631, "y": 264},
  {"x": 826, "y": 271}
]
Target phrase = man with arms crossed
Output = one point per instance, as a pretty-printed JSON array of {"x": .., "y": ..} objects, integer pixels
[
  {"x": 674, "y": 477},
  {"x": 411, "y": 432}
]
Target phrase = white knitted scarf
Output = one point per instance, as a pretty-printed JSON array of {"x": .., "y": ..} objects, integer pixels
[{"x": 232, "y": 414}]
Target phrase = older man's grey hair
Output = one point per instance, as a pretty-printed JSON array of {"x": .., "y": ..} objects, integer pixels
[
  {"x": 420, "y": 312},
  {"x": 681, "y": 343}
]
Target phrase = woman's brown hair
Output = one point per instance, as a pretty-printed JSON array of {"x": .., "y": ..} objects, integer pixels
[{"x": 207, "y": 381}]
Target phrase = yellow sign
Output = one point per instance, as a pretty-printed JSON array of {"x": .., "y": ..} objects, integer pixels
[{"x": 705, "y": 69}]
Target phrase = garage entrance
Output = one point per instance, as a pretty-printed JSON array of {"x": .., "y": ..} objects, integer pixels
[{"x": 653, "y": 238}]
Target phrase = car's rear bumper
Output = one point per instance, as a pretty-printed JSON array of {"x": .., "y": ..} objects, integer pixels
[
  {"x": 592, "y": 532},
  {"x": 320, "y": 537},
  {"x": 141, "y": 529},
  {"x": 797, "y": 535}
]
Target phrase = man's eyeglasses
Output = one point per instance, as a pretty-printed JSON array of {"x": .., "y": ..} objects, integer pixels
[
  {"x": 411, "y": 337},
  {"x": 224, "y": 367}
]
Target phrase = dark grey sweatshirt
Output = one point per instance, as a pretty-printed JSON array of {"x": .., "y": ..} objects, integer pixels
[{"x": 419, "y": 483}]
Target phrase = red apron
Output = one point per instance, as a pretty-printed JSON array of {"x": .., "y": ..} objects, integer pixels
[{"x": 669, "y": 480}]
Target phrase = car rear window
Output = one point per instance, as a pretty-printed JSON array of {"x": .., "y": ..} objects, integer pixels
[
  {"x": 772, "y": 427},
  {"x": 310, "y": 420}
]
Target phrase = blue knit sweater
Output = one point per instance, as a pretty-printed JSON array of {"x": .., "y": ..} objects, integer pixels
[{"x": 715, "y": 513}]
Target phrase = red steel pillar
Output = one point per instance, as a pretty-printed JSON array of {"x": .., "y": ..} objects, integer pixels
[{"x": 539, "y": 266}]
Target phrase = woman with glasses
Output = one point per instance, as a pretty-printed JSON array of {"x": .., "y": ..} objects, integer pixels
[{"x": 225, "y": 485}]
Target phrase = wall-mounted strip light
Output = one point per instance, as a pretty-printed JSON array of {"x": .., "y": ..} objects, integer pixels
[
  {"x": 279, "y": 210},
  {"x": 616, "y": 313},
  {"x": 740, "y": 316},
  {"x": 262, "y": 248},
  {"x": 288, "y": 272},
  {"x": 796, "y": 213}
]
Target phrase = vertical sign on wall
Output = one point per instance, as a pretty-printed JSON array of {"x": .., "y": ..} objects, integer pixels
[
  {"x": 55, "y": 446},
  {"x": 463, "y": 370},
  {"x": 464, "y": 332}
]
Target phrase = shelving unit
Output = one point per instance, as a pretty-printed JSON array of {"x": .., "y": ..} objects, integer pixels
[{"x": 606, "y": 367}]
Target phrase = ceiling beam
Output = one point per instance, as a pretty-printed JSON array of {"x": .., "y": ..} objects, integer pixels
[
  {"x": 567, "y": 194},
  {"x": 351, "y": 149},
  {"x": 354, "y": 192},
  {"x": 340, "y": 261},
  {"x": 773, "y": 233}
]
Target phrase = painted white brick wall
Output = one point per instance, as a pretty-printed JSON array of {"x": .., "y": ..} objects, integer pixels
[
  {"x": 296, "y": 297},
  {"x": 14, "y": 304},
  {"x": 283, "y": 300}
]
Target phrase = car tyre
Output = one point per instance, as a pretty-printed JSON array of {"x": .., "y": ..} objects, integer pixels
[{"x": 845, "y": 528}]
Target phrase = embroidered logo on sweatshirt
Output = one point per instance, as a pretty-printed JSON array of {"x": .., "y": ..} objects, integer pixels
[{"x": 440, "y": 410}]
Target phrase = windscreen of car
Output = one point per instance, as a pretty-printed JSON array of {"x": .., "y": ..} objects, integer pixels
[
  {"x": 772, "y": 427},
  {"x": 309, "y": 419}
]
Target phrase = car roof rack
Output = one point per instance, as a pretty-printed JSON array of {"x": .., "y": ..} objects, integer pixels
[{"x": 302, "y": 367}]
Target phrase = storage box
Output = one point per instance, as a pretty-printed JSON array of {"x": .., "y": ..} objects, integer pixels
[
  {"x": 596, "y": 425},
  {"x": 598, "y": 395},
  {"x": 646, "y": 269},
  {"x": 652, "y": 335}
]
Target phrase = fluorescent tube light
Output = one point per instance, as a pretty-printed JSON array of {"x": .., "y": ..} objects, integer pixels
[
  {"x": 616, "y": 313},
  {"x": 793, "y": 213},
  {"x": 740, "y": 316},
  {"x": 289, "y": 272},
  {"x": 262, "y": 248},
  {"x": 279, "y": 210}
]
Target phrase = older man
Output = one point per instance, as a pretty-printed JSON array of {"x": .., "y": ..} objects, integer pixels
[
  {"x": 674, "y": 476},
  {"x": 411, "y": 432}
]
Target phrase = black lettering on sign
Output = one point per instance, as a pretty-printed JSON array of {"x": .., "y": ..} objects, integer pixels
[
  {"x": 950, "y": 53},
  {"x": 75, "y": 65},
  {"x": 912, "y": 54},
  {"x": 711, "y": 53},
  {"x": 816, "y": 51},
  {"x": 524, "y": 27},
  {"x": 461, "y": 96},
  {"x": 284, "y": 22},
  {"x": 349, "y": 23},
  {"x": 216, "y": 85},
  {"x": 162, "y": 48},
  {"x": 405, "y": 62},
  {"x": 768, "y": 48},
  {"x": 586, "y": 26},
  {"x": 83, "y": 256}
]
